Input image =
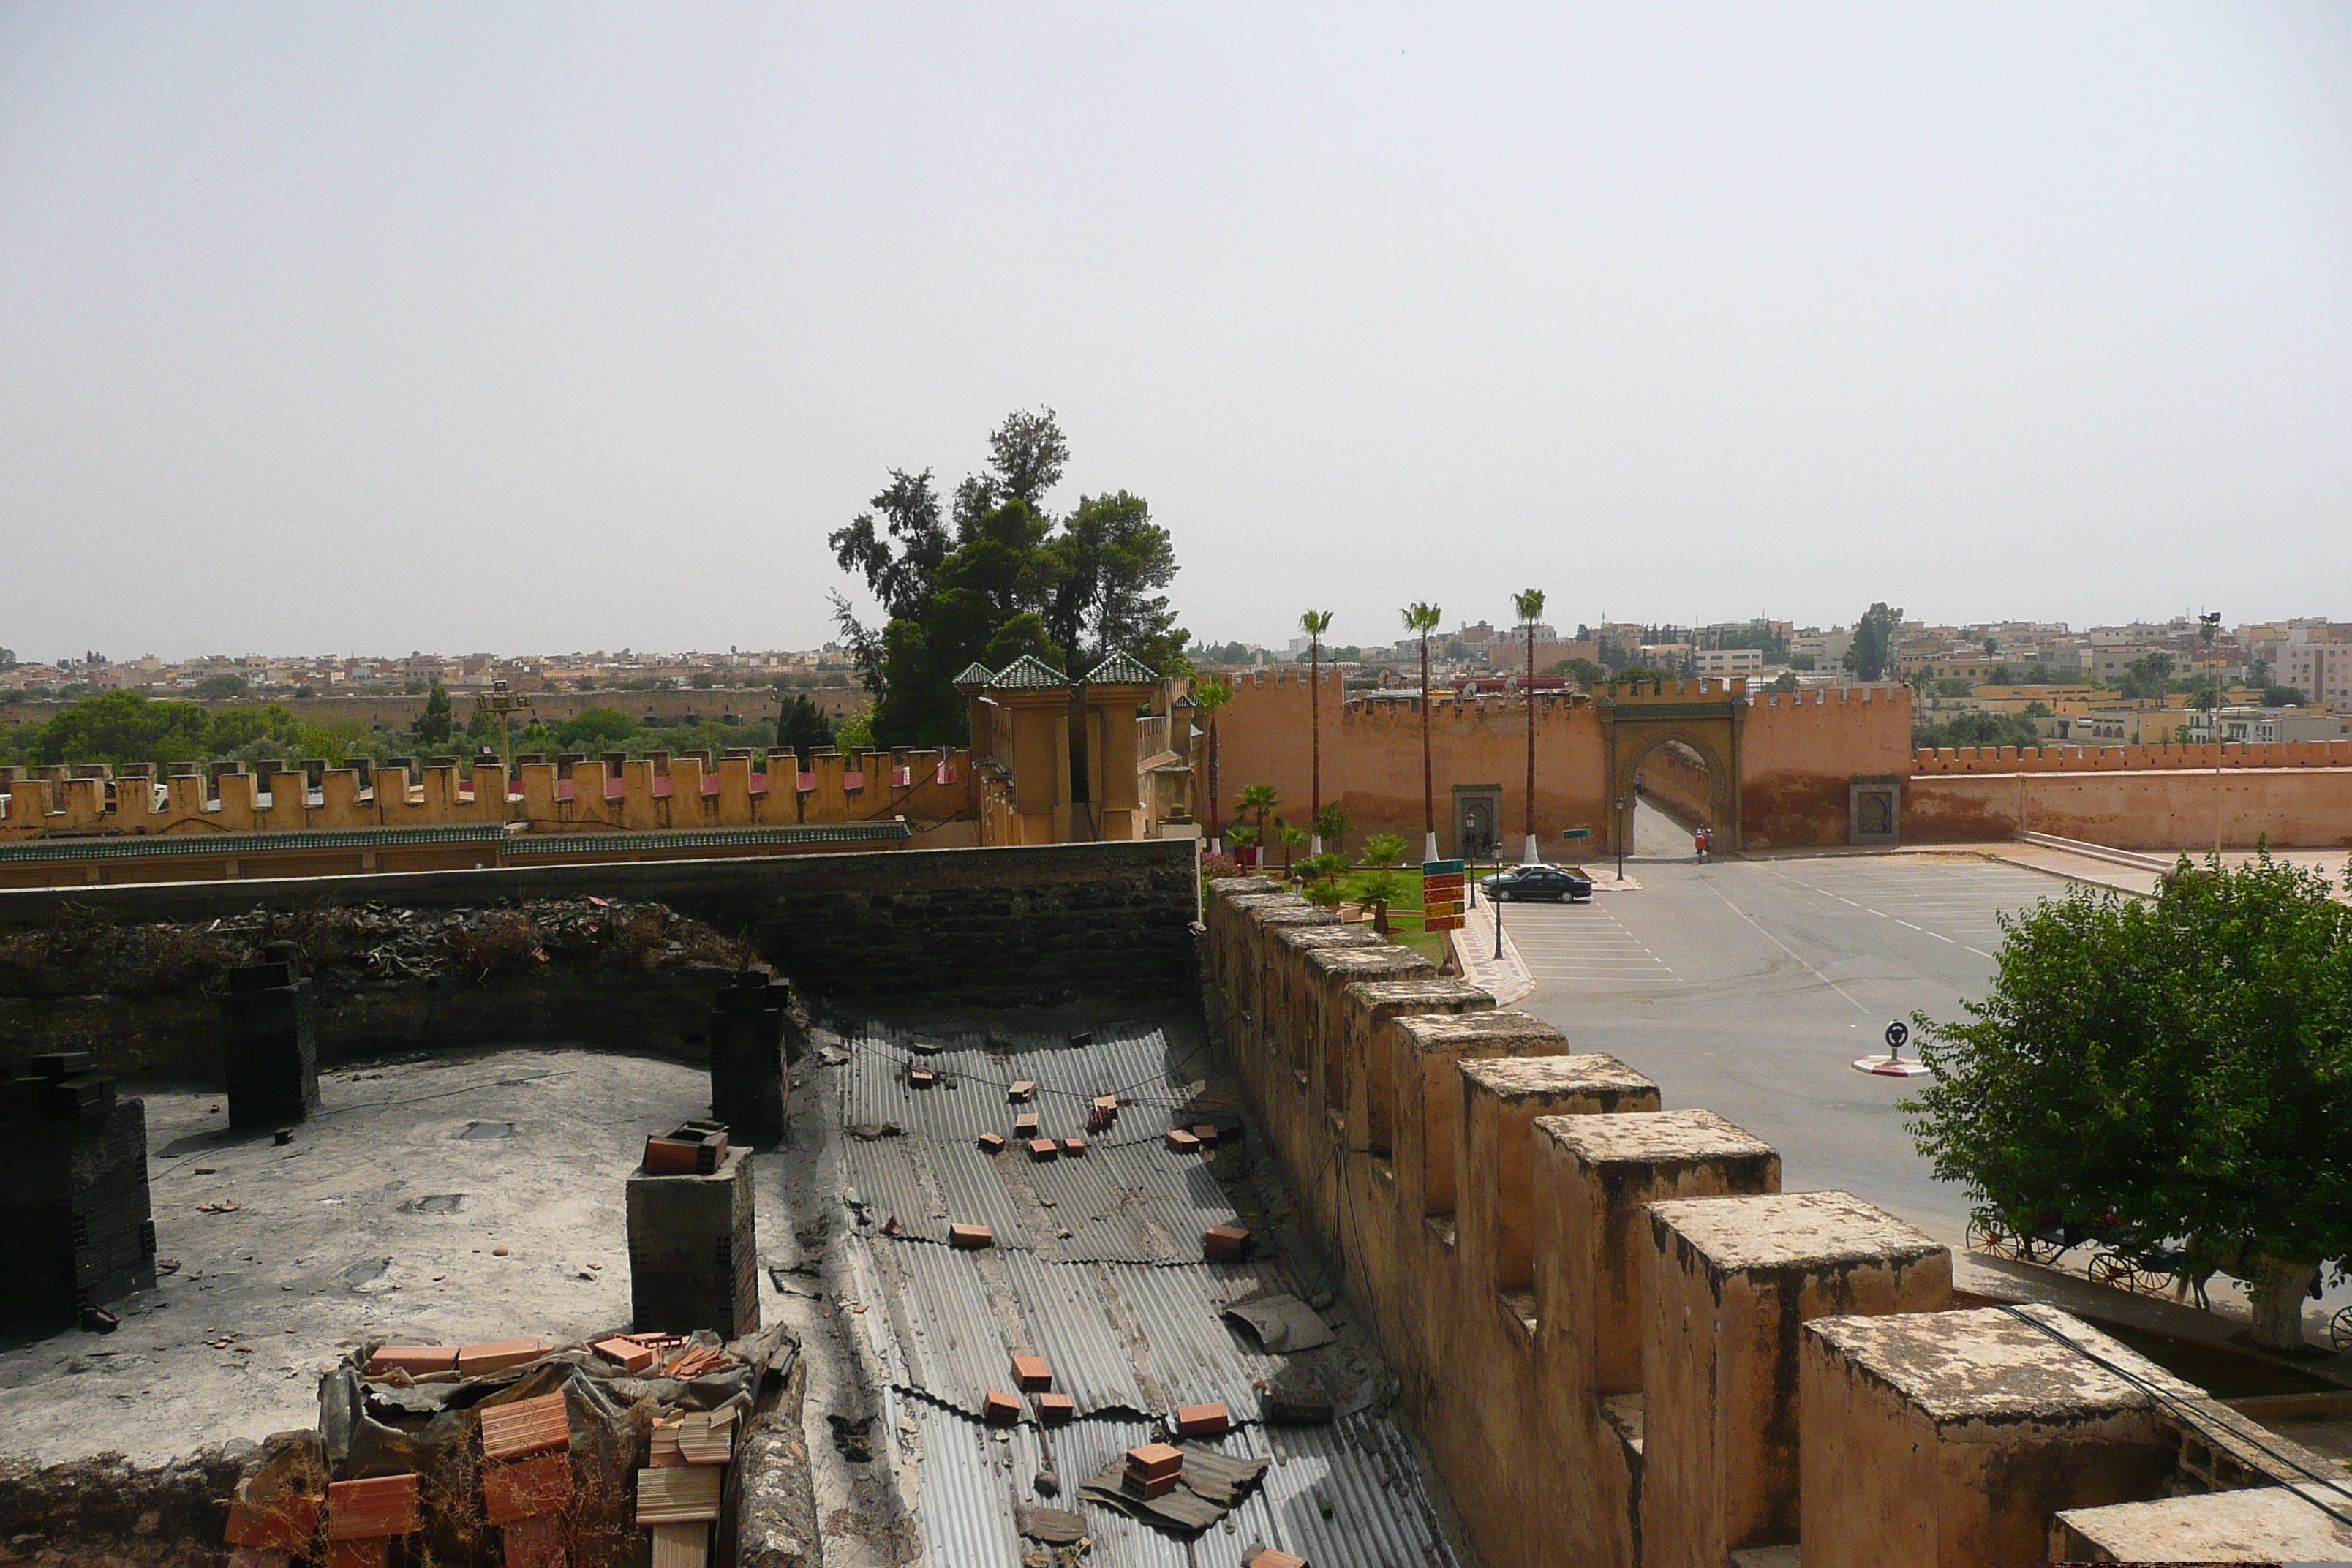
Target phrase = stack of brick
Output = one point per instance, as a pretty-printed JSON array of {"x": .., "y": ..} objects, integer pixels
[
  {"x": 748, "y": 1079},
  {"x": 693, "y": 1247},
  {"x": 527, "y": 1485},
  {"x": 680, "y": 1492},
  {"x": 73, "y": 1192},
  {"x": 269, "y": 1047}
]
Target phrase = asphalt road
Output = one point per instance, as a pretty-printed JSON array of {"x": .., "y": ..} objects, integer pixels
[{"x": 1747, "y": 988}]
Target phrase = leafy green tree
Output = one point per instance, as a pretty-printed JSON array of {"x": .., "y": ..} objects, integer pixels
[
  {"x": 1978, "y": 730},
  {"x": 1378, "y": 891},
  {"x": 1210, "y": 697},
  {"x": 434, "y": 725},
  {"x": 1785, "y": 682},
  {"x": 1635, "y": 672},
  {"x": 1802, "y": 661},
  {"x": 1333, "y": 824},
  {"x": 1872, "y": 653},
  {"x": 596, "y": 729},
  {"x": 2173, "y": 1073},
  {"x": 2284, "y": 697},
  {"x": 1259, "y": 801},
  {"x": 993, "y": 576},
  {"x": 1324, "y": 895},
  {"x": 2144, "y": 678},
  {"x": 221, "y": 686},
  {"x": 1582, "y": 671},
  {"x": 858, "y": 731},
  {"x": 121, "y": 727}
]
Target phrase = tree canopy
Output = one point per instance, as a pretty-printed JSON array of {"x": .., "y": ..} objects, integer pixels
[
  {"x": 2171, "y": 1072},
  {"x": 993, "y": 574},
  {"x": 1871, "y": 654}
]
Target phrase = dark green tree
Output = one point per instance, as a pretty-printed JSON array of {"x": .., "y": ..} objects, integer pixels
[
  {"x": 596, "y": 729},
  {"x": 803, "y": 726},
  {"x": 434, "y": 725},
  {"x": 2173, "y": 1073},
  {"x": 2284, "y": 697},
  {"x": 994, "y": 575},
  {"x": 1872, "y": 653},
  {"x": 121, "y": 727}
]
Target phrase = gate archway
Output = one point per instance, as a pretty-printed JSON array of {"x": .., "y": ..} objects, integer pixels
[{"x": 1704, "y": 715}]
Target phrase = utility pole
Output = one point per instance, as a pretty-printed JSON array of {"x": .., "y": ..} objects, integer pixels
[{"x": 2210, "y": 628}]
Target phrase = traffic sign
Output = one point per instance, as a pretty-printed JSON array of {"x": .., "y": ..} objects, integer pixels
[
  {"x": 1443, "y": 868},
  {"x": 1897, "y": 1032},
  {"x": 1577, "y": 833}
]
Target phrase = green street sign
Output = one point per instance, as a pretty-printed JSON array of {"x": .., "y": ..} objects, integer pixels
[{"x": 1577, "y": 833}]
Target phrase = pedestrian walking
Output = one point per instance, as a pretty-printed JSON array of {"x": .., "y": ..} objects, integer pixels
[{"x": 1699, "y": 843}]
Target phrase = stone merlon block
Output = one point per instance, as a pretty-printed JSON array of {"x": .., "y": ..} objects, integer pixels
[
  {"x": 1428, "y": 1046},
  {"x": 1727, "y": 1282},
  {"x": 1365, "y": 1040},
  {"x": 2261, "y": 1524},
  {"x": 1501, "y": 1097},
  {"x": 1598, "y": 1174},
  {"x": 1950, "y": 1438}
]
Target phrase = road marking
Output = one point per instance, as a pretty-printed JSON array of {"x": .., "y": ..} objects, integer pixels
[
  {"x": 1980, "y": 952},
  {"x": 1906, "y": 924},
  {"x": 1784, "y": 947}
]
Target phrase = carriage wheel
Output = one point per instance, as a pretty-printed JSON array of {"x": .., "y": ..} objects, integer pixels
[
  {"x": 2113, "y": 1268},
  {"x": 2340, "y": 1330},
  {"x": 1989, "y": 1238}
]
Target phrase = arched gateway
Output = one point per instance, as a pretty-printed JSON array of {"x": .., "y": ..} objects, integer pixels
[{"x": 1707, "y": 716}]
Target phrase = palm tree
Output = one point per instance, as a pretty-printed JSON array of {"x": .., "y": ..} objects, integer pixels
[
  {"x": 1382, "y": 850},
  {"x": 1292, "y": 837},
  {"x": 1420, "y": 619},
  {"x": 1530, "y": 607},
  {"x": 1209, "y": 696},
  {"x": 1259, "y": 800},
  {"x": 1378, "y": 891},
  {"x": 1315, "y": 623}
]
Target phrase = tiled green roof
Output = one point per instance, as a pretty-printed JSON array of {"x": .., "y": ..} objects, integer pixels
[
  {"x": 974, "y": 673},
  {"x": 126, "y": 846},
  {"x": 1122, "y": 669},
  {"x": 707, "y": 838},
  {"x": 1027, "y": 673}
]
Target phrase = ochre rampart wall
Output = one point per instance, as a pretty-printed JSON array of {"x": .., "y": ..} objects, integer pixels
[
  {"x": 2288, "y": 807},
  {"x": 1677, "y": 783},
  {"x": 1800, "y": 751},
  {"x": 687, "y": 791},
  {"x": 1371, "y": 757},
  {"x": 1622, "y": 1344}
]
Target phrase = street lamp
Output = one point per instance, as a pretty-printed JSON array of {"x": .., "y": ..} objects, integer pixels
[
  {"x": 1620, "y": 836},
  {"x": 2208, "y": 629}
]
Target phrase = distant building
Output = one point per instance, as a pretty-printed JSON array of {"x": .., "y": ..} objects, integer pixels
[
  {"x": 1726, "y": 661},
  {"x": 2322, "y": 671},
  {"x": 2255, "y": 725}
]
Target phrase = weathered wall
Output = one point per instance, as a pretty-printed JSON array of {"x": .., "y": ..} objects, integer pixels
[
  {"x": 2293, "y": 808},
  {"x": 1800, "y": 751},
  {"x": 986, "y": 925},
  {"x": 1677, "y": 783},
  {"x": 1595, "y": 1308},
  {"x": 1371, "y": 757}
]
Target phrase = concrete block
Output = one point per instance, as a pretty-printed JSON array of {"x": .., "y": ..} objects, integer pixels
[
  {"x": 693, "y": 1249},
  {"x": 1593, "y": 1176},
  {"x": 749, "y": 1082},
  {"x": 74, "y": 1206},
  {"x": 1947, "y": 1439},
  {"x": 1726, "y": 1283},
  {"x": 269, "y": 1046}
]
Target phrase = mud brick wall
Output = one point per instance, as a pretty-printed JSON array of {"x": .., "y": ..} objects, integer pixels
[
  {"x": 694, "y": 1252},
  {"x": 74, "y": 1207}
]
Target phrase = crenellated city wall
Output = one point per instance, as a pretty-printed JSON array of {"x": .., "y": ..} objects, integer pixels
[
  {"x": 1799, "y": 751},
  {"x": 689, "y": 791},
  {"x": 1622, "y": 1343}
]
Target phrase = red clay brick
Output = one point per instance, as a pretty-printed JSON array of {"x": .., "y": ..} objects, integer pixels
[
  {"x": 527, "y": 1488},
  {"x": 1031, "y": 1374},
  {"x": 473, "y": 1360},
  {"x": 373, "y": 1551},
  {"x": 991, "y": 1142},
  {"x": 1183, "y": 1143},
  {"x": 1076, "y": 1148},
  {"x": 385, "y": 1505},
  {"x": 625, "y": 1353},
  {"x": 284, "y": 1523},
  {"x": 1227, "y": 1241},
  {"x": 525, "y": 1426},
  {"x": 1154, "y": 1460},
  {"x": 1054, "y": 1409},
  {"x": 1043, "y": 1149},
  {"x": 535, "y": 1544},
  {"x": 1270, "y": 1557},
  {"x": 1207, "y": 1133},
  {"x": 1203, "y": 1420},
  {"x": 1000, "y": 1409},
  {"x": 414, "y": 1360},
  {"x": 971, "y": 1235}
]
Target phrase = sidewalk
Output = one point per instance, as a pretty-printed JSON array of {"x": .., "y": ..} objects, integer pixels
[{"x": 1504, "y": 979}]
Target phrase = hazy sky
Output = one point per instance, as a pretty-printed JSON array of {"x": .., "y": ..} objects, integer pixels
[{"x": 367, "y": 328}]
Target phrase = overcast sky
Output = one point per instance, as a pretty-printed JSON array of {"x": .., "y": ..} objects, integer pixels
[{"x": 371, "y": 328}]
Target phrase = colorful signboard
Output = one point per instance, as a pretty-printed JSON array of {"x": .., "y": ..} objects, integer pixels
[{"x": 1442, "y": 886}]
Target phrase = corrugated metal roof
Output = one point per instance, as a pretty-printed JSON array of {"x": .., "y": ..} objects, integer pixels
[
  {"x": 1381, "y": 1513},
  {"x": 1123, "y": 1309}
]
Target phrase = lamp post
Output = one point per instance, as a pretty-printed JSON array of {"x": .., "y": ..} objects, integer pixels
[
  {"x": 2208, "y": 629},
  {"x": 1620, "y": 836}
]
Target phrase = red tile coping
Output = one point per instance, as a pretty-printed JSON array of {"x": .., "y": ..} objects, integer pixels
[
  {"x": 385, "y": 1505},
  {"x": 1203, "y": 1420},
  {"x": 527, "y": 1488},
  {"x": 524, "y": 1426}
]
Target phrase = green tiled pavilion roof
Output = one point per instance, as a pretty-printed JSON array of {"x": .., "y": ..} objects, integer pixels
[
  {"x": 1027, "y": 673},
  {"x": 1122, "y": 669},
  {"x": 975, "y": 674}
]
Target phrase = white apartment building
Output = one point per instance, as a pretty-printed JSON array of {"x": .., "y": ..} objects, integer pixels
[
  {"x": 2322, "y": 671},
  {"x": 1726, "y": 661}
]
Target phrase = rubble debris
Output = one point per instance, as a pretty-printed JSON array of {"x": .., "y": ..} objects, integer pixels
[
  {"x": 1283, "y": 1324},
  {"x": 1209, "y": 1486},
  {"x": 1050, "y": 1525}
]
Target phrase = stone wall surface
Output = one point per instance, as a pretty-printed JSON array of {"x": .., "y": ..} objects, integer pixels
[
  {"x": 1799, "y": 751},
  {"x": 984, "y": 925},
  {"x": 2137, "y": 808},
  {"x": 1621, "y": 1342}
]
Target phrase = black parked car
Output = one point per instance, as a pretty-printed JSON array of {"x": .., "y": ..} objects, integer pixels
[{"x": 1527, "y": 882}]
